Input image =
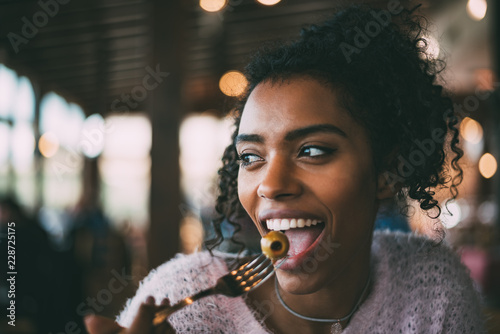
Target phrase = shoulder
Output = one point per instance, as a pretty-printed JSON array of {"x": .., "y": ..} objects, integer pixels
[
  {"x": 418, "y": 259},
  {"x": 175, "y": 279},
  {"x": 407, "y": 267}
]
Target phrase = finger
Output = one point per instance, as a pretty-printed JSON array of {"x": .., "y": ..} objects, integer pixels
[
  {"x": 143, "y": 322},
  {"x": 99, "y": 325},
  {"x": 164, "y": 327}
]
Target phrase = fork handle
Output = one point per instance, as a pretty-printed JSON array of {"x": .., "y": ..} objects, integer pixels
[{"x": 164, "y": 313}]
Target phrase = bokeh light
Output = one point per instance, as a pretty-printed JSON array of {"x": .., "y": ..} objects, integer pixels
[
  {"x": 23, "y": 146},
  {"x": 451, "y": 215},
  {"x": 471, "y": 130},
  {"x": 4, "y": 145},
  {"x": 63, "y": 119},
  {"x": 269, "y": 2},
  {"x": 8, "y": 82},
  {"x": 477, "y": 9},
  {"x": 487, "y": 165},
  {"x": 92, "y": 137},
  {"x": 487, "y": 212},
  {"x": 212, "y": 5},
  {"x": 125, "y": 167},
  {"x": 48, "y": 144},
  {"x": 24, "y": 104},
  {"x": 200, "y": 155},
  {"x": 233, "y": 83}
]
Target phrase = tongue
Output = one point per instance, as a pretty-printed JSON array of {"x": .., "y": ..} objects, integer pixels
[{"x": 301, "y": 238}]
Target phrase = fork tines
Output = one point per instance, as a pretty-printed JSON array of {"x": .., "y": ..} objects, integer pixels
[{"x": 251, "y": 274}]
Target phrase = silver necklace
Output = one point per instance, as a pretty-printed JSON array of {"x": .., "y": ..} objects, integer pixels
[{"x": 336, "y": 327}]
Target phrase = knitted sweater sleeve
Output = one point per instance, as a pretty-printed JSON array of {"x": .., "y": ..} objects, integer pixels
[
  {"x": 176, "y": 279},
  {"x": 182, "y": 277}
]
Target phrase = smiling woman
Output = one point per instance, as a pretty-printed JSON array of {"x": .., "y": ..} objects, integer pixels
[
  {"x": 318, "y": 149},
  {"x": 309, "y": 160}
]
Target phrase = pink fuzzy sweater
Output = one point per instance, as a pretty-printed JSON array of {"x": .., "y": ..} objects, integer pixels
[{"x": 417, "y": 288}]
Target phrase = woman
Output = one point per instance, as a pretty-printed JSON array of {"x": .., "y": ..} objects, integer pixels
[{"x": 333, "y": 125}]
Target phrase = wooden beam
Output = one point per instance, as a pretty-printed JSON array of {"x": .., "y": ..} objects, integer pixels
[{"x": 165, "y": 109}]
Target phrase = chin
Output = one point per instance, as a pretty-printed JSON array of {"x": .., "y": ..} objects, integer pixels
[{"x": 299, "y": 283}]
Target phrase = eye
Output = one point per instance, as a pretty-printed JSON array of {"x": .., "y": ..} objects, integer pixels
[
  {"x": 247, "y": 159},
  {"x": 315, "y": 151}
]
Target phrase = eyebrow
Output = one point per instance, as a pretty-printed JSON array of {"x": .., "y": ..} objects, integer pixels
[{"x": 294, "y": 134}]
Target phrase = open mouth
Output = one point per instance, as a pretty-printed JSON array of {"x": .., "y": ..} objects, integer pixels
[{"x": 301, "y": 233}]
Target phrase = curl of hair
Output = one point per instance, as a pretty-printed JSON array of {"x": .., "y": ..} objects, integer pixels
[{"x": 387, "y": 84}]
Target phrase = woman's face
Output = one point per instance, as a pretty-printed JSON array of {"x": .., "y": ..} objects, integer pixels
[{"x": 305, "y": 160}]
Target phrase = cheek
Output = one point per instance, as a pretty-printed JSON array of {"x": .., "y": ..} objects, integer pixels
[
  {"x": 350, "y": 189},
  {"x": 245, "y": 191}
]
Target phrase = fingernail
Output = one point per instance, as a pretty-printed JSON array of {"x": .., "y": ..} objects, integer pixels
[{"x": 150, "y": 301}]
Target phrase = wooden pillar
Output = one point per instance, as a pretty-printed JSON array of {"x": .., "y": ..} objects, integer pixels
[
  {"x": 165, "y": 110},
  {"x": 91, "y": 183},
  {"x": 495, "y": 104}
]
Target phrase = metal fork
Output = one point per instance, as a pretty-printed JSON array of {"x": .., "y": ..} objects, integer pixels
[{"x": 239, "y": 281}]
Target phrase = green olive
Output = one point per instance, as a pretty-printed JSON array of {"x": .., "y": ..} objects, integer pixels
[{"x": 274, "y": 245}]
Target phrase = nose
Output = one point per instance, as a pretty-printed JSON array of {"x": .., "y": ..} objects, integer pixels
[{"x": 279, "y": 180}]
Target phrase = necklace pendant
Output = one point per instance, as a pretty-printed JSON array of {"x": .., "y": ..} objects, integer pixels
[{"x": 336, "y": 328}]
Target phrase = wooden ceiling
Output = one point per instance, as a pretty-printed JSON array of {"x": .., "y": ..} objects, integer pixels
[{"x": 94, "y": 51}]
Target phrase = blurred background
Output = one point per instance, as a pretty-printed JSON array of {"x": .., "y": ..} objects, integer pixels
[{"x": 113, "y": 119}]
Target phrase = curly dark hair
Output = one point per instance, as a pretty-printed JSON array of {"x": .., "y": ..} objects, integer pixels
[{"x": 387, "y": 82}]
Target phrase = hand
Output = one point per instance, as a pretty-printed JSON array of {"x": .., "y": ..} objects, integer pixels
[{"x": 143, "y": 322}]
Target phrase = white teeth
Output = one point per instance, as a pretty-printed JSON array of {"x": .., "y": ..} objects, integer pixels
[
  {"x": 276, "y": 225},
  {"x": 286, "y": 224}
]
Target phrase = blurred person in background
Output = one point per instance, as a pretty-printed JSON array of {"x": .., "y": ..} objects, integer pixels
[
  {"x": 46, "y": 283},
  {"x": 102, "y": 255}
]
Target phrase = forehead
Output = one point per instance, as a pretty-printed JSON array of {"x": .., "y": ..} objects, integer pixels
[{"x": 292, "y": 103}]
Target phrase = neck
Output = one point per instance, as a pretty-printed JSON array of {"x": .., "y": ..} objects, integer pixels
[
  {"x": 337, "y": 299},
  {"x": 324, "y": 320}
]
